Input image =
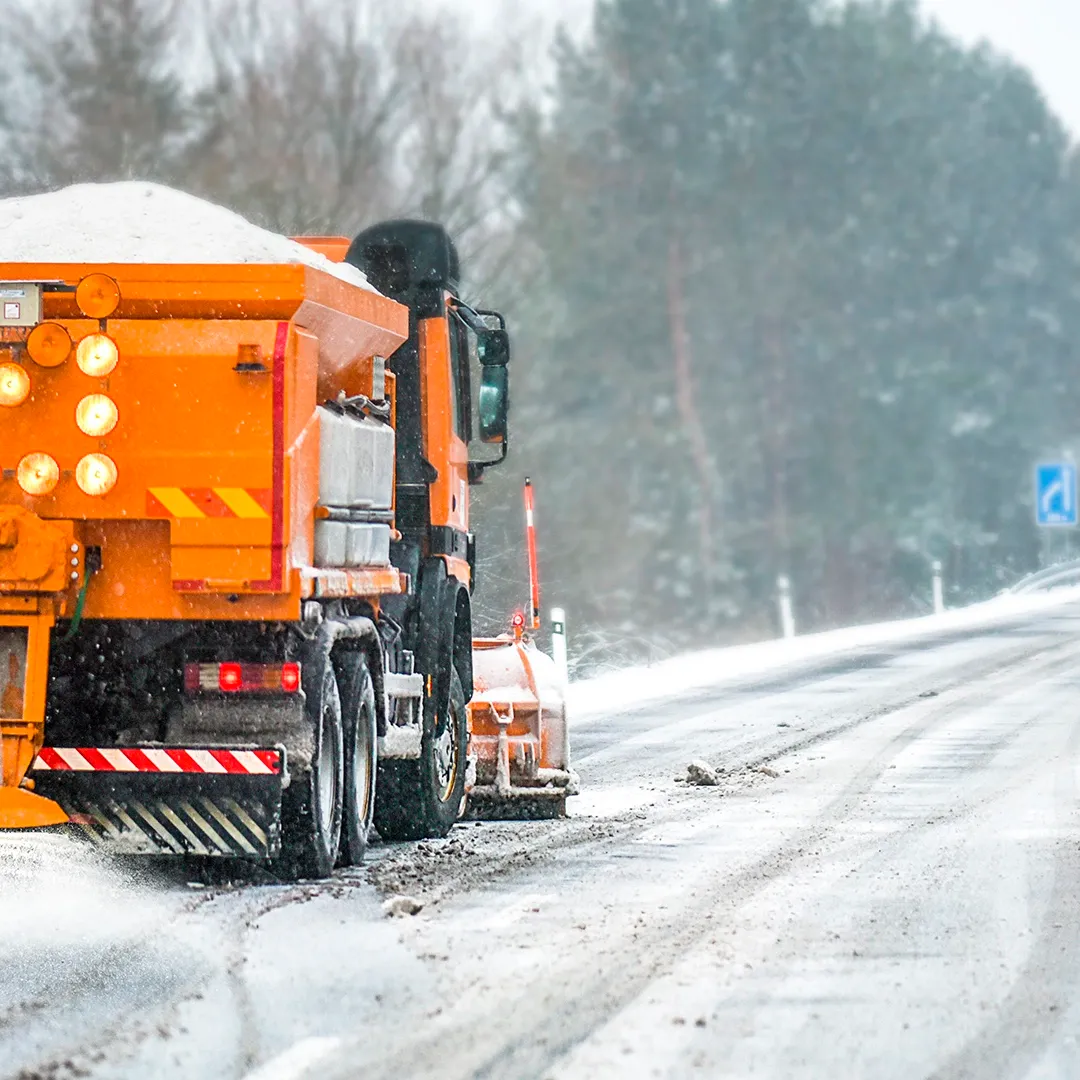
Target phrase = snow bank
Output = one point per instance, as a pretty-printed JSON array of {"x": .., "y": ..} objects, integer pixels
[
  {"x": 138, "y": 222},
  {"x": 628, "y": 687}
]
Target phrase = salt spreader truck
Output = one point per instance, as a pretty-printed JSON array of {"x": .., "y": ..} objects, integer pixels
[{"x": 236, "y": 558}]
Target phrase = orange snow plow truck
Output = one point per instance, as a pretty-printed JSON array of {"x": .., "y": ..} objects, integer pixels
[{"x": 236, "y": 562}]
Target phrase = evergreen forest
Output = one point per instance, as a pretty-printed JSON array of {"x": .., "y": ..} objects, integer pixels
[{"x": 793, "y": 283}]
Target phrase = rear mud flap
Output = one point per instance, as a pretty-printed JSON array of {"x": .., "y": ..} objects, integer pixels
[{"x": 171, "y": 813}]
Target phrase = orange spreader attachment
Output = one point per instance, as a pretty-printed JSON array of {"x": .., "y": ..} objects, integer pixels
[
  {"x": 22, "y": 809},
  {"x": 518, "y": 737}
]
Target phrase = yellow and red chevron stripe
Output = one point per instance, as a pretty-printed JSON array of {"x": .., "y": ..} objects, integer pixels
[{"x": 217, "y": 502}]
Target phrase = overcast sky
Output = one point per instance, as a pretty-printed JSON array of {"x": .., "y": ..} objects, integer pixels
[{"x": 1043, "y": 35}]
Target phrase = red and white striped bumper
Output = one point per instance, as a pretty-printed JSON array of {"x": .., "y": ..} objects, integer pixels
[
  {"x": 158, "y": 760},
  {"x": 169, "y": 800}
]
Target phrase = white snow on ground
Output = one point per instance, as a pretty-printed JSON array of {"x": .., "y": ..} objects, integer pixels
[
  {"x": 138, "y": 222},
  {"x": 626, "y": 687},
  {"x": 54, "y": 891}
]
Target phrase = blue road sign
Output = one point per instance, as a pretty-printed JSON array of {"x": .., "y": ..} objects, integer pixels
[{"x": 1055, "y": 494}]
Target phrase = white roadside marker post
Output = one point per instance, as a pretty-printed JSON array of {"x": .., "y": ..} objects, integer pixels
[
  {"x": 939, "y": 594},
  {"x": 558, "y": 643},
  {"x": 783, "y": 596}
]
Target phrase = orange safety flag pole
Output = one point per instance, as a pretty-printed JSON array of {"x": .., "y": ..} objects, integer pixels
[{"x": 530, "y": 539}]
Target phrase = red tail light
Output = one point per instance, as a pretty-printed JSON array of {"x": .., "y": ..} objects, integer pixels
[
  {"x": 290, "y": 678},
  {"x": 230, "y": 678},
  {"x": 233, "y": 678}
]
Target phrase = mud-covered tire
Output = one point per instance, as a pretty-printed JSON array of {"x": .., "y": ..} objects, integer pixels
[
  {"x": 359, "y": 740},
  {"x": 311, "y": 804},
  {"x": 417, "y": 799}
]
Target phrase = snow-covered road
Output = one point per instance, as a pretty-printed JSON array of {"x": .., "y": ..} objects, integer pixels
[{"x": 884, "y": 884}]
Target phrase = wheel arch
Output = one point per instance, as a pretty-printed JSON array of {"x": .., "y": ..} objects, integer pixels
[
  {"x": 462, "y": 642},
  {"x": 340, "y": 639},
  {"x": 343, "y": 654}
]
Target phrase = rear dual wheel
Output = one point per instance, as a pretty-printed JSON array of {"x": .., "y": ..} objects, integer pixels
[
  {"x": 327, "y": 808},
  {"x": 358, "y": 803},
  {"x": 311, "y": 804}
]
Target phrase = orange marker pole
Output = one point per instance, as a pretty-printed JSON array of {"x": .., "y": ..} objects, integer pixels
[{"x": 530, "y": 540}]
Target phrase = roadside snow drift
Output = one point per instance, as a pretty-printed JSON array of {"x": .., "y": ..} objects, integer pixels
[
  {"x": 627, "y": 688},
  {"x": 138, "y": 222}
]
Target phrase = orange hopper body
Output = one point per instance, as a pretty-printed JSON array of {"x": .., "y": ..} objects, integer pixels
[{"x": 214, "y": 446}]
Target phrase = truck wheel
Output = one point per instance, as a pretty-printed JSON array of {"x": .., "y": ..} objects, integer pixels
[
  {"x": 360, "y": 735},
  {"x": 311, "y": 804},
  {"x": 423, "y": 798}
]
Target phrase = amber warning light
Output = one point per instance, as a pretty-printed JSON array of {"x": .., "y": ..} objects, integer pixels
[
  {"x": 14, "y": 385},
  {"x": 96, "y": 415},
  {"x": 96, "y": 474},
  {"x": 97, "y": 355},
  {"x": 49, "y": 345},
  {"x": 38, "y": 474},
  {"x": 97, "y": 296}
]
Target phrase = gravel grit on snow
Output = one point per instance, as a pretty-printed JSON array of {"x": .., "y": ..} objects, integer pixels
[{"x": 139, "y": 222}]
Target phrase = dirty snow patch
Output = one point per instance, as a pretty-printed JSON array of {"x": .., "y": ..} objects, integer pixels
[{"x": 398, "y": 906}]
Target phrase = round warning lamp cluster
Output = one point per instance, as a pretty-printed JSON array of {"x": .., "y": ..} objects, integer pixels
[{"x": 49, "y": 345}]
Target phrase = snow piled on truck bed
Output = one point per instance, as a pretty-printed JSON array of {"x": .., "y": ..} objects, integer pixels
[{"x": 139, "y": 222}]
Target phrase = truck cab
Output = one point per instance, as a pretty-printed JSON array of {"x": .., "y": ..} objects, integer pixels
[{"x": 416, "y": 264}]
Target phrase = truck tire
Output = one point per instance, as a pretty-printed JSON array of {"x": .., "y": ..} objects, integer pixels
[
  {"x": 311, "y": 804},
  {"x": 422, "y": 798},
  {"x": 360, "y": 734}
]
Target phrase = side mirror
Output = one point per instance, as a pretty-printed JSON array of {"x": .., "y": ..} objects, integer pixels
[
  {"x": 494, "y": 401},
  {"x": 493, "y": 348}
]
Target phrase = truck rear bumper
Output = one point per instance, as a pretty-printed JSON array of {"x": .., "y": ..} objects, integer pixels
[{"x": 169, "y": 800}]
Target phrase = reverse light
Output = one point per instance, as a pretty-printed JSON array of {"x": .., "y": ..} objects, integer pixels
[
  {"x": 14, "y": 385},
  {"x": 49, "y": 344},
  {"x": 234, "y": 678},
  {"x": 98, "y": 296},
  {"x": 96, "y": 474},
  {"x": 97, "y": 355},
  {"x": 38, "y": 474},
  {"x": 96, "y": 415}
]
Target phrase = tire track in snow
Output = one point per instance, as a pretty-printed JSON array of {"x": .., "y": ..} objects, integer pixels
[{"x": 604, "y": 982}]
